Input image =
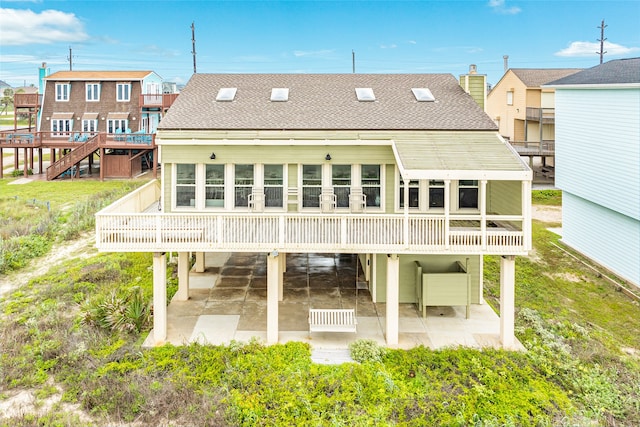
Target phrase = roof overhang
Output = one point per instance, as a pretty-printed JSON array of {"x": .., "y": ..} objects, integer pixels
[
  {"x": 117, "y": 116},
  {"x": 89, "y": 116},
  {"x": 62, "y": 116},
  {"x": 459, "y": 155}
]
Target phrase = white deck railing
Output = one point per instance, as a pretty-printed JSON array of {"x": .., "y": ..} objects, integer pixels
[{"x": 125, "y": 227}]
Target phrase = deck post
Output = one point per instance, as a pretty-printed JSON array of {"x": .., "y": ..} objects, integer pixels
[
  {"x": 199, "y": 262},
  {"x": 26, "y": 163},
  {"x": 102, "y": 163},
  {"x": 273, "y": 279},
  {"x": 159, "y": 298},
  {"x": 183, "y": 277},
  {"x": 283, "y": 267},
  {"x": 393, "y": 297},
  {"x": 507, "y": 300}
]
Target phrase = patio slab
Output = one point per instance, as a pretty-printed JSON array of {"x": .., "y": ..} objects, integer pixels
[{"x": 231, "y": 305}]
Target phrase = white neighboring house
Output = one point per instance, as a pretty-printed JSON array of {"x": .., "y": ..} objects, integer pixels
[{"x": 598, "y": 163}]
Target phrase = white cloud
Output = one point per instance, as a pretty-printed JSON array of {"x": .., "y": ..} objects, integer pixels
[
  {"x": 499, "y": 6},
  {"x": 592, "y": 48},
  {"x": 22, "y": 27},
  {"x": 388, "y": 46},
  {"x": 316, "y": 53}
]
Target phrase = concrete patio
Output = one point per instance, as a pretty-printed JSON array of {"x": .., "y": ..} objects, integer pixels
[{"x": 228, "y": 301}]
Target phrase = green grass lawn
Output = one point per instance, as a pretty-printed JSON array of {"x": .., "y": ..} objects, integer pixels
[{"x": 75, "y": 333}]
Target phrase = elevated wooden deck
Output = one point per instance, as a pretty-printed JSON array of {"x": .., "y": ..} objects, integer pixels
[{"x": 73, "y": 144}]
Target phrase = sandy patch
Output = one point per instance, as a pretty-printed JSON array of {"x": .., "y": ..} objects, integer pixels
[{"x": 552, "y": 214}]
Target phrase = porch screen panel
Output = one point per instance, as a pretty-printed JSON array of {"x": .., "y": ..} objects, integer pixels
[
  {"x": 185, "y": 185},
  {"x": 273, "y": 186},
  {"x": 468, "y": 194},
  {"x": 341, "y": 181},
  {"x": 414, "y": 194},
  {"x": 436, "y": 193},
  {"x": 214, "y": 186},
  {"x": 371, "y": 184},
  {"x": 311, "y": 185},
  {"x": 243, "y": 184}
]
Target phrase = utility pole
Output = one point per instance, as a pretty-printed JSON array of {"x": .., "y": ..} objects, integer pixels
[
  {"x": 70, "y": 59},
  {"x": 193, "y": 44},
  {"x": 353, "y": 61},
  {"x": 601, "y": 40}
]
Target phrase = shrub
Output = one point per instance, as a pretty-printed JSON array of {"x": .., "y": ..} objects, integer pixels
[
  {"x": 122, "y": 313},
  {"x": 366, "y": 350}
]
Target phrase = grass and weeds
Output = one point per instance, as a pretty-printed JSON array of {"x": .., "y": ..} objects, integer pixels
[
  {"x": 547, "y": 197},
  {"x": 75, "y": 334},
  {"x": 35, "y": 216}
]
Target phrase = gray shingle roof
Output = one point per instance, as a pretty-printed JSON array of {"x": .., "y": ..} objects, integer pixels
[
  {"x": 324, "y": 102},
  {"x": 536, "y": 77},
  {"x": 619, "y": 71}
]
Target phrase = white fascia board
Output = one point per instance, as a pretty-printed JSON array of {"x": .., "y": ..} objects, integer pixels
[
  {"x": 272, "y": 142},
  {"x": 412, "y": 174},
  {"x": 595, "y": 86}
]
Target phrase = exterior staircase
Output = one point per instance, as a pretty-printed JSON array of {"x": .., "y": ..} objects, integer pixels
[{"x": 73, "y": 158}]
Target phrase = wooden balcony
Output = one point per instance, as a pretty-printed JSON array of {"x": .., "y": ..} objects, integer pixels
[
  {"x": 161, "y": 100},
  {"x": 27, "y": 100},
  {"x": 25, "y": 139},
  {"x": 135, "y": 223},
  {"x": 543, "y": 115},
  {"x": 545, "y": 148}
]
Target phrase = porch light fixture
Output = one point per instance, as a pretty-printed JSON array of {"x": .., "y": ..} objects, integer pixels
[
  {"x": 212, "y": 156},
  {"x": 327, "y": 157}
]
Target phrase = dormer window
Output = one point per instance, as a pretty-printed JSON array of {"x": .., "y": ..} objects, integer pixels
[
  {"x": 226, "y": 94},
  {"x": 365, "y": 94},
  {"x": 280, "y": 94},
  {"x": 423, "y": 94}
]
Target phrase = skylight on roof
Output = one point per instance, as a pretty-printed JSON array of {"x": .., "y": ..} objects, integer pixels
[
  {"x": 280, "y": 94},
  {"x": 226, "y": 94},
  {"x": 365, "y": 94},
  {"x": 423, "y": 94}
]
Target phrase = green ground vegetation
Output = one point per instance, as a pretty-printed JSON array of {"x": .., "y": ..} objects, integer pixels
[
  {"x": 35, "y": 216},
  {"x": 73, "y": 336}
]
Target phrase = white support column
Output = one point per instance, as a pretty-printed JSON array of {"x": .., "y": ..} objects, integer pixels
[
  {"x": 183, "y": 277},
  {"x": 483, "y": 213},
  {"x": 393, "y": 298},
  {"x": 447, "y": 211},
  {"x": 526, "y": 214},
  {"x": 199, "y": 267},
  {"x": 159, "y": 298},
  {"x": 283, "y": 266},
  {"x": 507, "y": 300},
  {"x": 405, "y": 224},
  {"x": 273, "y": 279}
]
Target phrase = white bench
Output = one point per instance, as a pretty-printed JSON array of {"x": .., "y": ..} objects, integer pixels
[{"x": 332, "y": 320}]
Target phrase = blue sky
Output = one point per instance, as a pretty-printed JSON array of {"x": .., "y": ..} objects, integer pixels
[{"x": 311, "y": 36}]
